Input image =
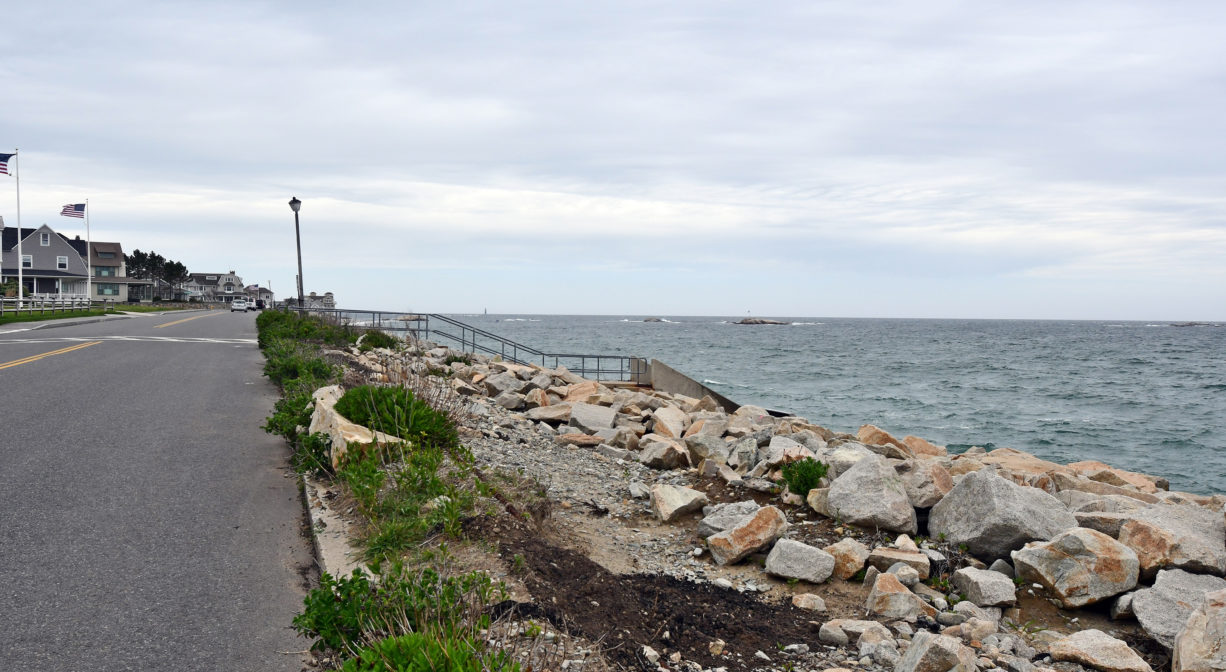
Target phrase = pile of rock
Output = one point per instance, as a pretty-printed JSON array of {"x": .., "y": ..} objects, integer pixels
[{"x": 1081, "y": 534}]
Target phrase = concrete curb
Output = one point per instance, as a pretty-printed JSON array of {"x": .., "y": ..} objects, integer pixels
[
  {"x": 329, "y": 532},
  {"x": 70, "y": 323}
]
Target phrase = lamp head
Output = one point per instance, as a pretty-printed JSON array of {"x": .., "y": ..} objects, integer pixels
[{"x": 294, "y": 204}]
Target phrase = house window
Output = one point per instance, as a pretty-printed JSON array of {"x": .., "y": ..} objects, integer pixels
[
  {"x": 229, "y": 288},
  {"x": 61, "y": 263},
  {"x": 44, "y": 239},
  {"x": 106, "y": 255},
  {"x": 210, "y": 277},
  {"x": 104, "y": 271},
  {"x": 27, "y": 261},
  {"x": 107, "y": 289}
]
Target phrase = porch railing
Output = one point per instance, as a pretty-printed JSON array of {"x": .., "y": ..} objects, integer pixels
[{"x": 432, "y": 327}]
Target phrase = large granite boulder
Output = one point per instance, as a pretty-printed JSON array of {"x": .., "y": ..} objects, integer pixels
[
  {"x": 884, "y": 557},
  {"x": 752, "y": 533},
  {"x": 1163, "y": 610},
  {"x": 662, "y": 453},
  {"x": 590, "y": 418},
  {"x": 984, "y": 587},
  {"x": 993, "y": 516},
  {"x": 1079, "y": 567},
  {"x": 926, "y": 481},
  {"x": 1201, "y": 645},
  {"x": 670, "y": 421},
  {"x": 794, "y": 560},
  {"x": 890, "y": 599},
  {"x": 1180, "y": 537},
  {"x": 720, "y": 517},
  {"x": 929, "y": 652},
  {"x": 845, "y": 456},
  {"x": 670, "y": 502},
  {"x": 1098, "y": 650},
  {"x": 871, "y": 494},
  {"x": 849, "y": 557}
]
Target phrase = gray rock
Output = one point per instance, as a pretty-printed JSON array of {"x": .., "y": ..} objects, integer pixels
[
  {"x": 1107, "y": 523},
  {"x": 1164, "y": 609},
  {"x": 502, "y": 382},
  {"x": 743, "y": 455},
  {"x": 1079, "y": 567},
  {"x": 1121, "y": 608},
  {"x": 832, "y": 634},
  {"x": 1098, "y": 650},
  {"x": 1003, "y": 567},
  {"x": 512, "y": 401},
  {"x": 662, "y": 453},
  {"x": 670, "y": 502},
  {"x": 845, "y": 456},
  {"x": 614, "y": 453},
  {"x": 984, "y": 587},
  {"x": 1201, "y": 645},
  {"x": 703, "y": 447},
  {"x": 993, "y": 516},
  {"x": 590, "y": 418},
  {"x": 871, "y": 494},
  {"x": 793, "y": 560},
  {"x": 936, "y": 653},
  {"x": 720, "y": 517},
  {"x": 906, "y": 574}
]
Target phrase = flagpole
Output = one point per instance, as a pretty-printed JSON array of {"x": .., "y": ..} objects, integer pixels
[
  {"x": 20, "y": 263},
  {"x": 89, "y": 263}
]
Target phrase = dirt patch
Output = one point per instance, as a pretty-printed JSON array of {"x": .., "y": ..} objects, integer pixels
[{"x": 626, "y": 612}]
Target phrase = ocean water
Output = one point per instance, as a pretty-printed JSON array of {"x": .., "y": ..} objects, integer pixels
[{"x": 1147, "y": 397}]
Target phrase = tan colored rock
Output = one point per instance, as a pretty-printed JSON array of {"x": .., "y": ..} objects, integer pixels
[
  {"x": 1105, "y": 473},
  {"x": 582, "y": 391},
  {"x": 1079, "y": 567},
  {"x": 344, "y": 434},
  {"x": 580, "y": 440},
  {"x": 882, "y": 558},
  {"x": 876, "y": 436},
  {"x": 964, "y": 464},
  {"x": 849, "y": 557},
  {"x": 536, "y": 399},
  {"x": 670, "y": 421},
  {"x": 1017, "y": 462},
  {"x": 1097, "y": 649},
  {"x": 552, "y": 413},
  {"x": 660, "y": 452},
  {"x": 707, "y": 427},
  {"x": 818, "y": 499},
  {"x": 890, "y": 599},
  {"x": 1068, "y": 481},
  {"x": 717, "y": 469},
  {"x": 1178, "y": 537},
  {"x": 926, "y": 482},
  {"x": 923, "y": 449},
  {"x": 1201, "y": 645},
  {"x": 808, "y": 602},
  {"x": 670, "y": 502},
  {"x": 752, "y": 534}
]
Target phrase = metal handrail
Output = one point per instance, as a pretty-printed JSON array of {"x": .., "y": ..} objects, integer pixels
[{"x": 417, "y": 326}]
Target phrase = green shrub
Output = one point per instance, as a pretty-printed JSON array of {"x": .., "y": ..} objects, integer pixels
[
  {"x": 293, "y": 409},
  {"x": 313, "y": 454},
  {"x": 420, "y": 652},
  {"x": 343, "y": 612},
  {"x": 803, "y": 475},
  {"x": 395, "y": 411},
  {"x": 274, "y": 324},
  {"x": 287, "y": 360},
  {"x": 372, "y": 338}
]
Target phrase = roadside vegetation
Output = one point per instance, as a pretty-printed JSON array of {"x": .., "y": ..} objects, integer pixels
[
  {"x": 406, "y": 611},
  {"x": 11, "y": 317}
]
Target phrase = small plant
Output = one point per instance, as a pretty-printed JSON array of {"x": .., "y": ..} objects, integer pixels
[
  {"x": 533, "y": 630},
  {"x": 463, "y": 359},
  {"x": 1018, "y": 581},
  {"x": 372, "y": 339},
  {"x": 858, "y": 577},
  {"x": 312, "y": 454},
  {"x": 519, "y": 565},
  {"x": 803, "y": 475}
]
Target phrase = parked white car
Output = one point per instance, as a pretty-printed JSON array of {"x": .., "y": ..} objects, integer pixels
[{"x": 238, "y": 304}]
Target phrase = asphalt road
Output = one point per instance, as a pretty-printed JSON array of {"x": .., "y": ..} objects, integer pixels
[{"x": 146, "y": 521}]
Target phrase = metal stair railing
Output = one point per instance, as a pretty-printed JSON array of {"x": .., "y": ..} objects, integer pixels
[{"x": 417, "y": 326}]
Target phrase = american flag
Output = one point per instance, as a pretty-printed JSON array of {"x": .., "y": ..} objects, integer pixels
[
  {"x": 71, "y": 210},
  {"x": 4, "y": 163}
]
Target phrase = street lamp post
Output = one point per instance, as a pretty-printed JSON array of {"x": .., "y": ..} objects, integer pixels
[{"x": 295, "y": 204}]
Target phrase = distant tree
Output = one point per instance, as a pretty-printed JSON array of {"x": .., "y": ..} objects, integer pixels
[{"x": 165, "y": 273}]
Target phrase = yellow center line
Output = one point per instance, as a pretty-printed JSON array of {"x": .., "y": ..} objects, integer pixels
[
  {"x": 186, "y": 319},
  {"x": 35, "y": 358}
]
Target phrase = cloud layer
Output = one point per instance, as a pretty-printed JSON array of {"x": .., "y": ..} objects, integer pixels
[{"x": 950, "y": 159}]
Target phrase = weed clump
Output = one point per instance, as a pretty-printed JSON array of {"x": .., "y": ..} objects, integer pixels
[{"x": 803, "y": 475}]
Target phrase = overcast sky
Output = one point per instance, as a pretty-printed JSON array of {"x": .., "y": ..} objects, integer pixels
[{"x": 891, "y": 159}]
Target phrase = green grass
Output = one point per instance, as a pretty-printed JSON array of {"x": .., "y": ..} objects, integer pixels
[
  {"x": 152, "y": 308},
  {"x": 10, "y": 318}
]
